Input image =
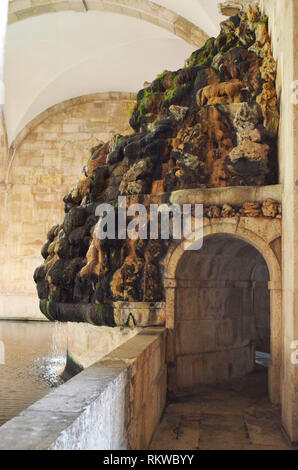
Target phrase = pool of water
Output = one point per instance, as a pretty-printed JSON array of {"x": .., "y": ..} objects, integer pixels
[{"x": 32, "y": 354}]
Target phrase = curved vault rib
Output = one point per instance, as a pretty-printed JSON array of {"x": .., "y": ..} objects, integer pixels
[{"x": 145, "y": 10}]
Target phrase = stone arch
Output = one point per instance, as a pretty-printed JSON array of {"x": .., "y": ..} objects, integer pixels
[
  {"x": 145, "y": 10},
  {"x": 252, "y": 236},
  {"x": 61, "y": 108},
  {"x": 232, "y": 228}
]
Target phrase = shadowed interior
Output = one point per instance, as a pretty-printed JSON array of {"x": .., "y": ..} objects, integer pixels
[{"x": 222, "y": 311}]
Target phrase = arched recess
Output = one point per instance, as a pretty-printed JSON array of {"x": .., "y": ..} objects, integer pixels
[
  {"x": 48, "y": 160},
  {"x": 144, "y": 10},
  {"x": 113, "y": 97},
  {"x": 234, "y": 229}
]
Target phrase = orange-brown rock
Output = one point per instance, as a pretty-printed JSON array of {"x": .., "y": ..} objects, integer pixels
[
  {"x": 227, "y": 211},
  {"x": 250, "y": 209},
  {"x": 227, "y": 92},
  {"x": 270, "y": 208},
  {"x": 212, "y": 212}
]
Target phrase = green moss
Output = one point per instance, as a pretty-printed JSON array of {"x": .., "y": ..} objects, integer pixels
[
  {"x": 120, "y": 140},
  {"x": 202, "y": 53},
  {"x": 234, "y": 46},
  {"x": 171, "y": 93},
  {"x": 99, "y": 311},
  {"x": 209, "y": 44},
  {"x": 176, "y": 80},
  {"x": 159, "y": 85},
  {"x": 161, "y": 75},
  {"x": 205, "y": 60},
  {"x": 206, "y": 54},
  {"x": 144, "y": 102},
  {"x": 45, "y": 308},
  {"x": 220, "y": 41},
  {"x": 225, "y": 43},
  {"x": 130, "y": 108},
  {"x": 142, "y": 108},
  {"x": 273, "y": 124},
  {"x": 263, "y": 19}
]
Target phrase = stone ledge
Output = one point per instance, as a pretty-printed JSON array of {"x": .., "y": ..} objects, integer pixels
[{"x": 233, "y": 194}]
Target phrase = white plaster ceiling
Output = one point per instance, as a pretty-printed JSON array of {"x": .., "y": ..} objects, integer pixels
[{"x": 54, "y": 57}]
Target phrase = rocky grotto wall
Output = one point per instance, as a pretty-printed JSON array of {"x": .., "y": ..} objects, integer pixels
[{"x": 211, "y": 124}]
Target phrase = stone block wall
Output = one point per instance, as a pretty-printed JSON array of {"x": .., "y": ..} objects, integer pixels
[
  {"x": 45, "y": 161},
  {"x": 214, "y": 343}
]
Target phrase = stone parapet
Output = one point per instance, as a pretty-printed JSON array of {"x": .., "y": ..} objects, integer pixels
[{"x": 114, "y": 404}]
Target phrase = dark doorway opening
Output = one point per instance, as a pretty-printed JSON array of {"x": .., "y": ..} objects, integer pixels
[{"x": 222, "y": 318}]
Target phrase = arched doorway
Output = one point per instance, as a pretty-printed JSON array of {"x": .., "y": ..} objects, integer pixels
[
  {"x": 222, "y": 312},
  {"x": 262, "y": 235}
]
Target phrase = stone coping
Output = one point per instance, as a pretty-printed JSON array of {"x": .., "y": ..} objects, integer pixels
[
  {"x": 235, "y": 195},
  {"x": 72, "y": 417}
]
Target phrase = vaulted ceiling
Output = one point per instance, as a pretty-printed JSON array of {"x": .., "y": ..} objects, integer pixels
[{"x": 59, "y": 49}]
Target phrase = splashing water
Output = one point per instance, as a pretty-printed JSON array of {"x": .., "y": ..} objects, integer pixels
[{"x": 35, "y": 354}]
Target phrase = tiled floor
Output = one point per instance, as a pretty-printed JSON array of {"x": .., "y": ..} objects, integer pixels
[{"x": 236, "y": 416}]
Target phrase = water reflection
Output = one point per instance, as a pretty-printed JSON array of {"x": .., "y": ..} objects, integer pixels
[{"x": 34, "y": 353}]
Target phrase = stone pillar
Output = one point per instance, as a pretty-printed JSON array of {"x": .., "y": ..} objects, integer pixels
[
  {"x": 289, "y": 143},
  {"x": 170, "y": 288},
  {"x": 283, "y": 27},
  {"x": 283, "y": 17},
  {"x": 3, "y": 139},
  {"x": 3, "y": 23},
  {"x": 3, "y": 148},
  {"x": 275, "y": 341},
  {"x": 170, "y": 294}
]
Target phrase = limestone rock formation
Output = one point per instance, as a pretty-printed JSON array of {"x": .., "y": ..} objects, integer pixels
[{"x": 213, "y": 123}]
